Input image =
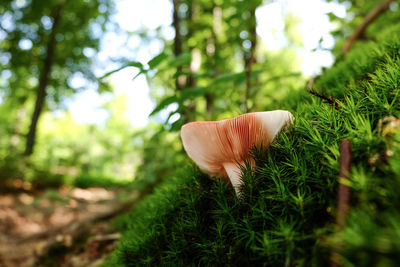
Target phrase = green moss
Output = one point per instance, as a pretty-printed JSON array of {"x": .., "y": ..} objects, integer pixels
[
  {"x": 287, "y": 215},
  {"x": 362, "y": 61}
]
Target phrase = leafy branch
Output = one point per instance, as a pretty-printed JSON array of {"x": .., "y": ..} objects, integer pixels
[{"x": 359, "y": 32}]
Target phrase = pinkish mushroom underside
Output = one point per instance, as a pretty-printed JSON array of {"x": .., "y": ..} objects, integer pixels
[{"x": 218, "y": 146}]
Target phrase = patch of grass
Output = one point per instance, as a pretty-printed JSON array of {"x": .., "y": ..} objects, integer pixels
[
  {"x": 44, "y": 180},
  {"x": 86, "y": 180}
]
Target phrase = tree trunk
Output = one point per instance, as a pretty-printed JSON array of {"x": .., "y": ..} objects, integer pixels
[
  {"x": 195, "y": 62},
  {"x": 179, "y": 82},
  {"x": 180, "y": 79},
  {"x": 250, "y": 58},
  {"x": 43, "y": 81},
  {"x": 183, "y": 81},
  {"x": 213, "y": 54}
]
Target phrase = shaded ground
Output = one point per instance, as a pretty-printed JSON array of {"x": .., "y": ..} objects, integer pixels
[{"x": 68, "y": 224}]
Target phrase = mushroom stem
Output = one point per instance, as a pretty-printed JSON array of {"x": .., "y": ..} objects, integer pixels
[{"x": 234, "y": 173}]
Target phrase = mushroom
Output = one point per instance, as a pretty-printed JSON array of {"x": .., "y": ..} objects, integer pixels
[{"x": 220, "y": 147}]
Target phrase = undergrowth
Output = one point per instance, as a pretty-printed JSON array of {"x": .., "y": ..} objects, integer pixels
[{"x": 287, "y": 215}]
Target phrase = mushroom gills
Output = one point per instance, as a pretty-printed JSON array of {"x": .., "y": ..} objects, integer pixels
[{"x": 220, "y": 147}]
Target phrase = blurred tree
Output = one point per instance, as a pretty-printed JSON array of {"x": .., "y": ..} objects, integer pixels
[
  {"x": 214, "y": 35},
  {"x": 204, "y": 73},
  {"x": 249, "y": 52},
  {"x": 385, "y": 13},
  {"x": 183, "y": 80},
  {"x": 112, "y": 149},
  {"x": 44, "y": 46}
]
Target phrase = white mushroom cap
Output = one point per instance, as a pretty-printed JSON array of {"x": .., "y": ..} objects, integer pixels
[{"x": 217, "y": 147}]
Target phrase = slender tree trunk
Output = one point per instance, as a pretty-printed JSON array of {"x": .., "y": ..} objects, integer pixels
[
  {"x": 196, "y": 59},
  {"x": 179, "y": 81},
  {"x": 214, "y": 53},
  {"x": 43, "y": 81},
  {"x": 183, "y": 81},
  {"x": 250, "y": 58}
]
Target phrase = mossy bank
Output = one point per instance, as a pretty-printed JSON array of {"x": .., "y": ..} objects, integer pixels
[{"x": 287, "y": 215}]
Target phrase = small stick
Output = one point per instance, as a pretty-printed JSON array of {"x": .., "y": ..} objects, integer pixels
[
  {"x": 331, "y": 100},
  {"x": 344, "y": 190},
  {"x": 359, "y": 32},
  {"x": 343, "y": 193}
]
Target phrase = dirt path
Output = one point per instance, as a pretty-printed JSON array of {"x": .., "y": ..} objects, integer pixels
[{"x": 70, "y": 224}]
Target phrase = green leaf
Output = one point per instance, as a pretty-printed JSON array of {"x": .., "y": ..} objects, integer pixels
[
  {"x": 129, "y": 64},
  {"x": 155, "y": 61},
  {"x": 255, "y": 73},
  {"x": 192, "y": 92},
  {"x": 179, "y": 73},
  {"x": 171, "y": 114},
  {"x": 332, "y": 16},
  {"x": 204, "y": 74},
  {"x": 230, "y": 77},
  {"x": 163, "y": 104},
  {"x": 287, "y": 75},
  {"x": 143, "y": 71},
  {"x": 135, "y": 64},
  {"x": 180, "y": 60},
  {"x": 176, "y": 126}
]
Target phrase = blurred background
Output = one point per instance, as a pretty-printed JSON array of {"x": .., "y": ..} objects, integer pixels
[{"x": 94, "y": 92}]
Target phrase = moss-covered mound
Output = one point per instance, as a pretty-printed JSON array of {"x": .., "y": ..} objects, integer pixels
[{"x": 287, "y": 216}]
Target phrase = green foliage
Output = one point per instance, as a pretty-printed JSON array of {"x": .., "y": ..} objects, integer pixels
[
  {"x": 217, "y": 87},
  {"x": 287, "y": 214},
  {"x": 45, "y": 45},
  {"x": 42, "y": 179},
  {"x": 161, "y": 155},
  {"x": 66, "y": 150},
  {"x": 356, "y": 12},
  {"x": 111, "y": 150},
  {"x": 86, "y": 180},
  {"x": 79, "y": 154},
  {"x": 359, "y": 64},
  {"x": 31, "y": 23}
]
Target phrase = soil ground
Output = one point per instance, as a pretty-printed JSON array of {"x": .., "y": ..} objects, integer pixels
[{"x": 60, "y": 227}]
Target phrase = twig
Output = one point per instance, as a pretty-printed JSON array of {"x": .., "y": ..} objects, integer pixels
[
  {"x": 343, "y": 193},
  {"x": 331, "y": 100},
  {"x": 359, "y": 32},
  {"x": 109, "y": 237}
]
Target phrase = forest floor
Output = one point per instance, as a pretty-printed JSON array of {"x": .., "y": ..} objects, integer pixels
[{"x": 60, "y": 227}]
